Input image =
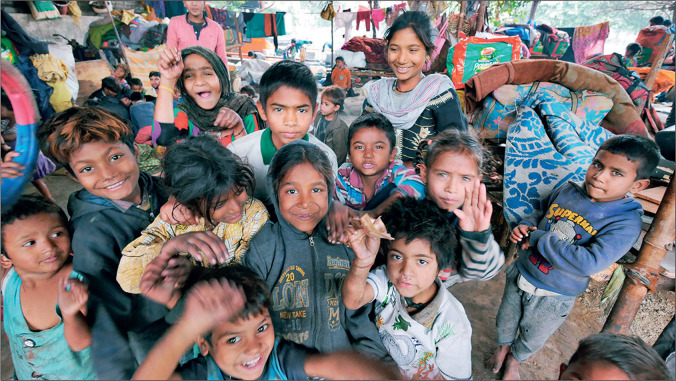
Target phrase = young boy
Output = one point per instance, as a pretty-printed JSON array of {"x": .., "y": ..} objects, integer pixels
[
  {"x": 227, "y": 311},
  {"x": 249, "y": 91},
  {"x": 580, "y": 231},
  {"x": 44, "y": 310},
  {"x": 287, "y": 102},
  {"x": 341, "y": 76},
  {"x": 117, "y": 203},
  {"x": 609, "y": 356},
  {"x": 136, "y": 86},
  {"x": 328, "y": 126},
  {"x": 373, "y": 179},
  {"x": 423, "y": 326}
]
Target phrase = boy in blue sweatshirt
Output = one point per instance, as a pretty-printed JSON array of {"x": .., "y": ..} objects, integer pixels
[{"x": 579, "y": 231}]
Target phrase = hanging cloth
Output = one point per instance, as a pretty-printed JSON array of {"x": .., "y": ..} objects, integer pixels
[
  {"x": 364, "y": 16},
  {"x": 271, "y": 28},
  {"x": 378, "y": 15},
  {"x": 589, "y": 40},
  {"x": 344, "y": 20},
  {"x": 328, "y": 13}
]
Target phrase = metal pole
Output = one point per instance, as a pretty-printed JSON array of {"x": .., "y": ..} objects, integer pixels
[
  {"x": 124, "y": 55},
  {"x": 658, "y": 240}
]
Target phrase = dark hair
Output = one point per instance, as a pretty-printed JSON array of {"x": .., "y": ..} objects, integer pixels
[
  {"x": 248, "y": 90},
  {"x": 124, "y": 66},
  {"x": 198, "y": 171},
  {"x": 666, "y": 22},
  {"x": 136, "y": 96},
  {"x": 291, "y": 74},
  {"x": 372, "y": 120},
  {"x": 631, "y": 354},
  {"x": 27, "y": 206},
  {"x": 335, "y": 94},
  {"x": 636, "y": 148},
  {"x": 66, "y": 131},
  {"x": 634, "y": 48},
  {"x": 4, "y": 100},
  {"x": 110, "y": 84},
  {"x": 296, "y": 153},
  {"x": 255, "y": 289},
  {"x": 450, "y": 140},
  {"x": 135, "y": 82},
  {"x": 126, "y": 92},
  {"x": 154, "y": 74},
  {"x": 657, "y": 20},
  {"x": 340, "y": 58},
  {"x": 411, "y": 219},
  {"x": 250, "y": 53},
  {"x": 416, "y": 20}
]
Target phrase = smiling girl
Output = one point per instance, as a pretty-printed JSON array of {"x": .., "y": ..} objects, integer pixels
[
  {"x": 418, "y": 106},
  {"x": 208, "y": 103}
]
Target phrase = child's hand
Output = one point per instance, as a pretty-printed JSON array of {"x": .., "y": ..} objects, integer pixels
[
  {"x": 338, "y": 222},
  {"x": 72, "y": 297},
  {"x": 174, "y": 213},
  {"x": 11, "y": 169},
  {"x": 163, "y": 279},
  {"x": 170, "y": 65},
  {"x": 205, "y": 247},
  {"x": 210, "y": 303},
  {"x": 227, "y": 119},
  {"x": 475, "y": 215},
  {"x": 520, "y": 232},
  {"x": 365, "y": 247}
]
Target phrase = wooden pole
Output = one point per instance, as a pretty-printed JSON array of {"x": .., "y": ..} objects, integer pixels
[
  {"x": 239, "y": 38},
  {"x": 657, "y": 64},
  {"x": 124, "y": 55},
  {"x": 658, "y": 240},
  {"x": 533, "y": 8},
  {"x": 480, "y": 17},
  {"x": 373, "y": 23},
  {"x": 461, "y": 20}
]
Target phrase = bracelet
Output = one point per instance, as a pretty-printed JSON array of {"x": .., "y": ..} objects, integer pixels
[{"x": 167, "y": 88}]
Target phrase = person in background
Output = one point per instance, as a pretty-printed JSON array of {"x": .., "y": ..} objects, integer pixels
[
  {"x": 329, "y": 127},
  {"x": 657, "y": 21},
  {"x": 256, "y": 55},
  {"x": 140, "y": 112},
  {"x": 154, "y": 77},
  {"x": 249, "y": 91},
  {"x": 341, "y": 76},
  {"x": 136, "y": 86},
  {"x": 109, "y": 86},
  {"x": 632, "y": 50},
  {"x": 120, "y": 74}
]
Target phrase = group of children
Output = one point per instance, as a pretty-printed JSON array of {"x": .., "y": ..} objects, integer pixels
[{"x": 250, "y": 258}]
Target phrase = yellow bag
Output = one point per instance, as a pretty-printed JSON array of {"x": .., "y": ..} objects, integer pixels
[{"x": 328, "y": 13}]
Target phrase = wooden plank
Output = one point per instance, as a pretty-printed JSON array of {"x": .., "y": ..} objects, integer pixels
[
  {"x": 657, "y": 64},
  {"x": 648, "y": 206},
  {"x": 653, "y": 195},
  {"x": 89, "y": 75}
]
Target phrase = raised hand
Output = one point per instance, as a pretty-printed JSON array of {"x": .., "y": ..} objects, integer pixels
[
  {"x": 10, "y": 169},
  {"x": 212, "y": 302},
  {"x": 72, "y": 297},
  {"x": 205, "y": 247},
  {"x": 170, "y": 65},
  {"x": 365, "y": 247},
  {"x": 174, "y": 213},
  {"x": 475, "y": 215},
  {"x": 164, "y": 278}
]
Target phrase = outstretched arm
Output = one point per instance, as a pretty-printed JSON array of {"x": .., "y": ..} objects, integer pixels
[
  {"x": 350, "y": 366},
  {"x": 356, "y": 292}
]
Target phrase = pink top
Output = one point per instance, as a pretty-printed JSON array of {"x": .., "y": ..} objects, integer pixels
[{"x": 181, "y": 35}]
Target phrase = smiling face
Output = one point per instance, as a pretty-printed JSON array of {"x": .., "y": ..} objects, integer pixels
[
  {"x": 406, "y": 56},
  {"x": 201, "y": 82},
  {"x": 107, "y": 170},
  {"x": 37, "y": 245},
  {"x": 610, "y": 176},
  {"x": 450, "y": 176},
  {"x": 229, "y": 208},
  {"x": 303, "y": 197},
  {"x": 289, "y": 114},
  {"x": 241, "y": 348},
  {"x": 371, "y": 152},
  {"x": 412, "y": 268}
]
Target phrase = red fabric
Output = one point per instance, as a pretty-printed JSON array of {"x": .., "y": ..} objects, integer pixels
[
  {"x": 365, "y": 16},
  {"x": 373, "y": 48},
  {"x": 270, "y": 24}
]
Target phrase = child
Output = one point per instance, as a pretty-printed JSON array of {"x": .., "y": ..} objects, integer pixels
[
  {"x": 208, "y": 105},
  {"x": 136, "y": 86},
  {"x": 303, "y": 271},
  {"x": 451, "y": 171},
  {"x": 249, "y": 91},
  {"x": 341, "y": 76},
  {"x": 228, "y": 312},
  {"x": 373, "y": 179},
  {"x": 120, "y": 74},
  {"x": 418, "y": 106},
  {"x": 214, "y": 184},
  {"x": 329, "y": 128},
  {"x": 44, "y": 308},
  {"x": 630, "y": 55},
  {"x": 609, "y": 356},
  {"x": 117, "y": 203},
  {"x": 579, "y": 231},
  {"x": 287, "y": 102},
  {"x": 423, "y": 326}
]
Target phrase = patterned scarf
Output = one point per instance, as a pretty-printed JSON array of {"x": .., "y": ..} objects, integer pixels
[
  {"x": 381, "y": 98},
  {"x": 204, "y": 119}
]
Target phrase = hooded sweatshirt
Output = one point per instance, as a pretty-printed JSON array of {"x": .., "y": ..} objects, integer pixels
[
  {"x": 576, "y": 238},
  {"x": 304, "y": 274},
  {"x": 100, "y": 230}
]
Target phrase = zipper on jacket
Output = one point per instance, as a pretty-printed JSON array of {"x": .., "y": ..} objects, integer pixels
[{"x": 315, "y": 291}]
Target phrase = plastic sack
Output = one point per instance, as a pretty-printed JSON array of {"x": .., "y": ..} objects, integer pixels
[{"x": 473, "y": 54}]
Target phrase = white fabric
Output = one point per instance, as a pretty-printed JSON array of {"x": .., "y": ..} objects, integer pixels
[
  {"x": 444, "y": 349},
  {"x": 352, "y": 59},
  {"x": 65, "y": 53},
  {"x": 252, "y": 70},
  {"x": 248, "y": 149}
]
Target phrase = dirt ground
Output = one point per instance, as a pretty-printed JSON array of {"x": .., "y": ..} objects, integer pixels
[{"x": 481, "y": 301}]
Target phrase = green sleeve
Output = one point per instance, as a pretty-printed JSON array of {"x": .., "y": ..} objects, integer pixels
[{"x": 250, "y": 123}]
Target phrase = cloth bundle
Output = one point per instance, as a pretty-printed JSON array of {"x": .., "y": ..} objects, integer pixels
[{"x": 373, "y": 48}]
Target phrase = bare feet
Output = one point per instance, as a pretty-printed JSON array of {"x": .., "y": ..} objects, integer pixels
[
  {"x": 495, "y": 362},
  {"x": 511, "y": 368}
]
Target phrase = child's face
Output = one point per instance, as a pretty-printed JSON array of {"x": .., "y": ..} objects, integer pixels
[
  {"x": 450, "y": 176},
  {"x": 596, "y": 370},
  {"x": 137, "y": 88},
  {"x": 119, "y": 73},
  {"x": 107, "y": 170},
  {"x": 371, "y": 152},
  {"x": 412, "y": 268},
  {"x": 201, "y": 82},
  {"x": 406, "y": 55},
  {"x": 303, "y": 197},
  {"x": 326, "y": 107},
  {"x": 241, "y": 348},
  {"x": 610, "y": 176},
  {"x": 289, "y": 114},
  {"x": 229, "y": 208},
  {"x": 155, "y": 82},
  {"x": 37, "y": 245},
  {"x": 340, "y": 64}
]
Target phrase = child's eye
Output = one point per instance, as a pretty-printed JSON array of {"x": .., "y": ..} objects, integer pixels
[
  {"x": 291, "y": 191},
  {"x": 465, "y": 178},
  {"x": 358, "y": 147},
  {"x": 187, "y": 76},
  {"x": 263, "y": 328},
  {"x": 422, "y": 262},
  {"x": 234, "y": 340},
  {"x": 277, "y": 109},
  {"x": 302, "y": 111},
  {"x": 86, "y": 169},
  {"x": 115, "y": 157},
  {"x": 29, "y": 243},
  {"x": 442, "y": 174},
  {"x": 57, "y": 234},
  {"x": 317, "y": 190},
  {"x": 395, "y": 257},
  {"x": 616, "y": 173},
  {"x": 379, "y": 147},
  {"x": 596, "y": 165}
]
